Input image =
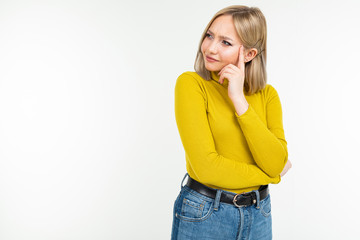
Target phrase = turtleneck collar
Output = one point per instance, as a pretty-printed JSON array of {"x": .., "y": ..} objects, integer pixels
[{"x": 215, "y": 77}]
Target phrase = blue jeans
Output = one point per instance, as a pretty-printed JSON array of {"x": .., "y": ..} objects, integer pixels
[{"x": 196, "y": 216}]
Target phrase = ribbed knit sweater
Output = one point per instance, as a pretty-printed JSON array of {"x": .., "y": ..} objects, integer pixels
[{"x": 222, "y": 149}]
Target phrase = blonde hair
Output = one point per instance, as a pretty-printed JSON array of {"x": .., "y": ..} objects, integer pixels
[{"x": 250, "y": 25}]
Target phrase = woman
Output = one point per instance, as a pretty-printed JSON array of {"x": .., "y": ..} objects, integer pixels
[{"x": 230, "y": 124}]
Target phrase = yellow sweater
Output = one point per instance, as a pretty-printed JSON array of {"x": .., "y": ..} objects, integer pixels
[{"x": 224, "y": 150}]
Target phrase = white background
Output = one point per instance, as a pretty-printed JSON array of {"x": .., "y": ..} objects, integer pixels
[{"x": 89, "y": 147}]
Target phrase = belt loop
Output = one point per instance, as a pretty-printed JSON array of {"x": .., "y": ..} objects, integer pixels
[
  {"x": 217, "y": 199},
  {"x": 186, "y": 174},
  {"x": 257, "y": 199}
]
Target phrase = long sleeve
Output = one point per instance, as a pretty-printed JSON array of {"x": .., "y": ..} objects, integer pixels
[
  {"x": 207, "y": 164},
  {"x": 266, "y": 141}
]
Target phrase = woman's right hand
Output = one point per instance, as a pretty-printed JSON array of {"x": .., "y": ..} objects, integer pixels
[{"x": 288, "y": 165}]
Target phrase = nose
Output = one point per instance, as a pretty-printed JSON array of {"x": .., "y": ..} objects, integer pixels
[{"x": 213, "y": 47}]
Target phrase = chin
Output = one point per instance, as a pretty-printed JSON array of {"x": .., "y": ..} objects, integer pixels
[{"x": 212, "y": 68}]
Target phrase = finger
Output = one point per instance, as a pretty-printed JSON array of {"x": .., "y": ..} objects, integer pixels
[
  {"x": 226, "y": 74},
  {"x": 223, "y": 69},
  {"x": 221, "y": 79},
  {"x": 230, "y": 71},
  {"x": 241, "y": 59},
  {"x": 221, "y": 73},
  {"x": 226, "y": 69},
  {"x": 233, "y": 67},
  {"x": 223, "y": 76}
]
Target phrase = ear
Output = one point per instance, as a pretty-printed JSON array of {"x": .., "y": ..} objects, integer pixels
[{"x": 250, "y": 54}]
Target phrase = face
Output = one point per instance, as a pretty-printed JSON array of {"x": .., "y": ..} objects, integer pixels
[{"x": 221, "y": 44}]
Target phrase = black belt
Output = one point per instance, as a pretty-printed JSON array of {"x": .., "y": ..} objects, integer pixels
[{"x": 239, "y": 200}]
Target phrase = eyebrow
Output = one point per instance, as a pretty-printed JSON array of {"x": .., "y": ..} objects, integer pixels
[{"x": 223, "y": 37}]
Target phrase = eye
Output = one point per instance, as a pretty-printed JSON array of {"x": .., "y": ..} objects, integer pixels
[
  {"x": 227, "y": 43},
  {"x": 208, "y": 35}
]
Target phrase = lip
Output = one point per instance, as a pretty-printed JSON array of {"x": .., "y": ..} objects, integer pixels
[{"x": 210, "y": 59}]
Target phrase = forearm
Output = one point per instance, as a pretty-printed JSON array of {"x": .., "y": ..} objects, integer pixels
[
  {"x": 240, "y": 104},
  {"x": 269, "y": 152},
  {"x": 217, "y": 170}
]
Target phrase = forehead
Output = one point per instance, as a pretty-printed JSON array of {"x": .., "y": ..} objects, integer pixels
[{"x": 224, "y": 25}]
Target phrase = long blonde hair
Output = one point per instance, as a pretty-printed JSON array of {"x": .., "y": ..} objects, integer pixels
[{"x": 250, "y": 25}]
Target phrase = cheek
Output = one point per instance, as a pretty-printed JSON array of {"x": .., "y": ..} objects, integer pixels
[
  {"x": 203, "y": 46},
  {"x": 230, "y": 55}
]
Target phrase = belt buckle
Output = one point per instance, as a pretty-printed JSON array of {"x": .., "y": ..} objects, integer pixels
[{"x": 234, "y": 200}]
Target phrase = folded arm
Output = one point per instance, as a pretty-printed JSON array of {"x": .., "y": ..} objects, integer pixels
[
  {"x": 266, "y": 141},
  {"x": 209, "y": 166}
]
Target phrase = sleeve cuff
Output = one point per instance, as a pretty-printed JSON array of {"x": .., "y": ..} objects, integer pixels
[
  {"x": 276, "y": 180},
  {"x": 245, "y": 113}
]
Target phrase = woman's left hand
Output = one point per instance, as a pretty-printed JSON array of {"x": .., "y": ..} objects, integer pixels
[
  {"x": 235, "y": 74},
  {"x": 287, "y": 166}
]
